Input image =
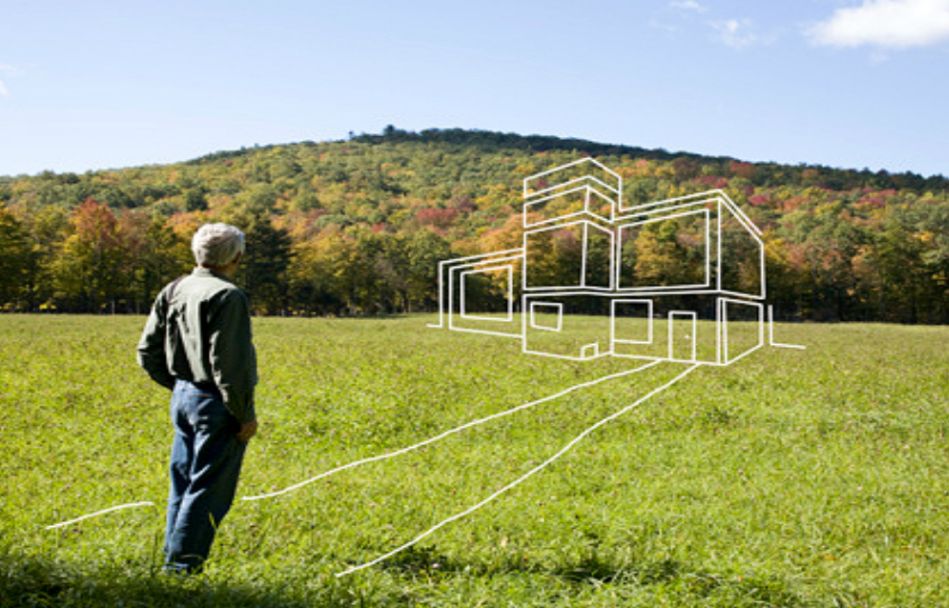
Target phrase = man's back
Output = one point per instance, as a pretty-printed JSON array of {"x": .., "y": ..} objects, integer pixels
[{"x": 199, "y": 331}]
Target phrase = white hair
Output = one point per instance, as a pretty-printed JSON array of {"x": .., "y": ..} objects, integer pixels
[{"x": 217, "y": 244}]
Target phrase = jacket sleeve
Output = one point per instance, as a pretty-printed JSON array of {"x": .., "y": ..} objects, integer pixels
[
  {"x": 232, "y": 356},
  {"x": 151, "y": 346}
]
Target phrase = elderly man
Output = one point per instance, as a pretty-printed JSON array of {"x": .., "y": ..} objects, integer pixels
[{"x": 197, "y": 342}]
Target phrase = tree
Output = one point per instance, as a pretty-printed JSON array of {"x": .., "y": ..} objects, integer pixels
[
  {"x": 155, "y": 255},
  {"x": 90, "y": 271},
  {"x": 318, "y": 272},
  {"x": 48, "y": 229},
  {"x": 264, "y": 269},
  {"x": 423, "y": 250},
  {"x": 15, "y": 256}
]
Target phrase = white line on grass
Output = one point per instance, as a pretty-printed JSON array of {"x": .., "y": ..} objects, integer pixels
[
  {"x": 520, "y": 479},
  {"x": 447, "y": 433},
  {"x": 771, "y": 333},
  {"x": 392, "y": 454},
  {"x": 144, "y": 503}
]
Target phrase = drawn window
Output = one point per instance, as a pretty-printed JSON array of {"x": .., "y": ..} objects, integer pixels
[
  {"x": 547, "y": 316},
  {"x": 666, "y": 251},
  {"x": 487, "y": 294},
  {"x": 632, "y": 321}
]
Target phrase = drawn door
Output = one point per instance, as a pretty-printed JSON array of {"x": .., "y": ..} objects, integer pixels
[{"x": 682, "y": 335}]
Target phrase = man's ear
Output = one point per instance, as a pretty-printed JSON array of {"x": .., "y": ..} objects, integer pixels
[{"x": 237, "y": 260}]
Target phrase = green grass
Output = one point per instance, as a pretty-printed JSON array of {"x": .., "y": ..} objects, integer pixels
[{"x": 814, "y": 478}]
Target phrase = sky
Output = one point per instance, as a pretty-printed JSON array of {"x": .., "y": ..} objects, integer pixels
[{"x": 94, "y": 85}]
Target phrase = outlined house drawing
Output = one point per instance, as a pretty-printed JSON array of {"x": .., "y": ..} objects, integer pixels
[
  {"x": 592, "y": 279},
  {"x": 679, "y": 279}
]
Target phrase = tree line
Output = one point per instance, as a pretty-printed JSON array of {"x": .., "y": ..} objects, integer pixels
[
  {"x": 94, "y": 259},
  {"x": 357, "y": 227}
]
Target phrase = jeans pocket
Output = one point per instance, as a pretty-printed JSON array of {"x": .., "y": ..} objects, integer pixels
[{"x": 210, "y": 412}]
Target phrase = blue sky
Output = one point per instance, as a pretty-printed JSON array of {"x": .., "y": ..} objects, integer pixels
[{"x": 861, "y": 83}]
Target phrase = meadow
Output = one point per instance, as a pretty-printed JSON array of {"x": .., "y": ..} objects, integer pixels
[{"x": 791, "y": 478}]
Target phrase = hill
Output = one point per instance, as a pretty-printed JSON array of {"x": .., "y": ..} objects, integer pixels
[{"x": 356, "y": 226}]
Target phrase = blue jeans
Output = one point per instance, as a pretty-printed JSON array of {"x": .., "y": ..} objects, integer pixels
[{"x": 206, "y": 461}]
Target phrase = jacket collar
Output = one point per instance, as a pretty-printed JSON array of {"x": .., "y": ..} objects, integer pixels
[{"x": 201, "y": 271}]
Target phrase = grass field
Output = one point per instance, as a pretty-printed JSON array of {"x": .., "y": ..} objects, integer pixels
[{"x": 817, "y": 478}]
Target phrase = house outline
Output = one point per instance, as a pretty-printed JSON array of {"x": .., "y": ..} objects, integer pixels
[{"x": 599, "y": 209}]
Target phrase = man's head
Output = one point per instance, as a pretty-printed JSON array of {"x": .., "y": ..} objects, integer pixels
[{"x": 218, "y": 247}]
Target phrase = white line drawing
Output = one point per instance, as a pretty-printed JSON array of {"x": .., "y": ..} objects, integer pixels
[
  {"x": 771, "y": 333},
  {"x": 648, "y": 317},
  {"x": 760, "y": 333},
  {"x": 445, "y": 264},
  {"x": 510, "y": 288},
  {"x": 606, "y": 175},
  {"x": 566, "y": 448},
  {"x": 449, "y": 432},
  {"x": 557, "y": 306},
  {"x": 709, "y": 194},
  {"x": 680, "y": 306},
  {"x": 708, "y": 242},
  {"x": 131, "y": 505},
  {"x": 688, "y": 337},
  {"x": 581, "y": 283},
  {"x": 584, "y": 199},
  {"x": 593, "y": 348},
  {"x": 586, "y": 191},
  {"x": 488, "y": 262},
  {"x": 393, "y": 453}
]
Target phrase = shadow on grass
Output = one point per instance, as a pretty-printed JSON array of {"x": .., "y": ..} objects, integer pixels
[
  {"x": 30, "y": 581},
  {"x": 751, "y": 590},
  {"x": 34, "y": 582},
  {"x": 596, "y": 568},
  {"x": 423, "y": 560}
]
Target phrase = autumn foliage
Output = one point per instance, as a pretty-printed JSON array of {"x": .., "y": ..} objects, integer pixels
[{"x": 357, "y": 227}]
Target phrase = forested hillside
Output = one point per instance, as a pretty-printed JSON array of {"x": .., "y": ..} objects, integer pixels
[{"x": 357, "y": 227}]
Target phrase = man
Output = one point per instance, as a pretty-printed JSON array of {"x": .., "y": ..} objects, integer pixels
[{"x": 197, "y": 342}]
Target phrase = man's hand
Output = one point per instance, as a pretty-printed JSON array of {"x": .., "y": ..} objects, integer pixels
[{"x": 247, "y": 430}]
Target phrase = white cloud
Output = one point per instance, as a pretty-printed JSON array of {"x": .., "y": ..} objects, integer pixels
[
  {"x": 736, "y": 33},
  {"x": 663, "y": 26},
  {"x": 885, "y": 23},
  {"x": 688, "y": 5},
  {"x": 9, "y": 69}
]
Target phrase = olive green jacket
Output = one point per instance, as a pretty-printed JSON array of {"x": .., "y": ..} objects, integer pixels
[{"x": 202, "y": 334}]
